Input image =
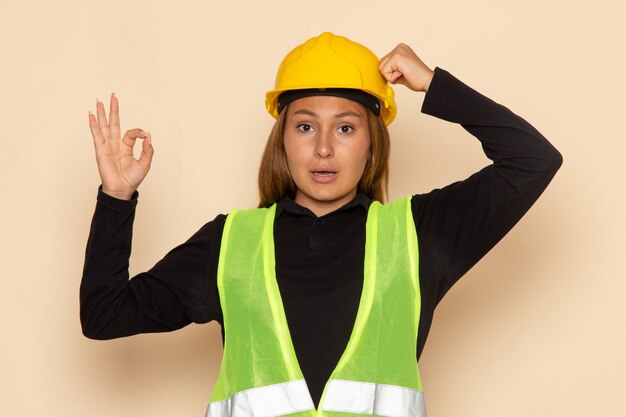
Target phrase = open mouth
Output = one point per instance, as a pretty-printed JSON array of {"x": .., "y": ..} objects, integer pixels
[{"x": 324, "y": 173}]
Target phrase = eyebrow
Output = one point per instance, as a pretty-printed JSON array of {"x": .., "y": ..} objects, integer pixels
[{"x": 337, "y": 116}]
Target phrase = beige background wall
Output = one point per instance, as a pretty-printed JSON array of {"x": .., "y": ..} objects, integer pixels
[{"x": 536, "y": 328}]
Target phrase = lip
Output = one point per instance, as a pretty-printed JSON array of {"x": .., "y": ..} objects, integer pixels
[{"x": 323, "y": 176}]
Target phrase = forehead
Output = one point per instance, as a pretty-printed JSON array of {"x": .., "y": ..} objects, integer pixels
[{"x": 326, "y": 105}]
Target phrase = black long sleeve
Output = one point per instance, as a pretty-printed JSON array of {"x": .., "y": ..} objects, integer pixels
[
  {"x": 456, "y": 226},
  {"x": 172, "y": 294}
]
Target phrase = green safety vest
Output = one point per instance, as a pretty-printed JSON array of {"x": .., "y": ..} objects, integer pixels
[{"x": 377, "y": 373}]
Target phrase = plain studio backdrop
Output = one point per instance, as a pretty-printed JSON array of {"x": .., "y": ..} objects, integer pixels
[{"x": 535, "y": 328}]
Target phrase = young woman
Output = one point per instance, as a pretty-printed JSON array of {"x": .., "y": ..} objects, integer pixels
[{"x": 325, "y": 295}]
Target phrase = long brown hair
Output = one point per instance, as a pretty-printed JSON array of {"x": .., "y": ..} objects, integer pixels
[{"x": 275, "y": 182}]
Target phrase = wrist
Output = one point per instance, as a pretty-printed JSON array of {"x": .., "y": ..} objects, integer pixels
[
  {"x": 120, "y": 195},
  {"x": 429, "y": 78}
]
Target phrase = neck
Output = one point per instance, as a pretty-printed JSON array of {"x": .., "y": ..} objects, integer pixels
[{"x": 323, "y": 207}]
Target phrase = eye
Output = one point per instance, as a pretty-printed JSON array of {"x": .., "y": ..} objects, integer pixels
[
  {"x": 304, "y": 127},
  {"x": 346, "y": 129}
]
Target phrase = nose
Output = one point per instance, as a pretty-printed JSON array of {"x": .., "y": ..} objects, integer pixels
[{"x": 324, "y": 146}]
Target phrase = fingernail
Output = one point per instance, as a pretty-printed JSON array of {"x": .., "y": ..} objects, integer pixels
[
  {"x": 97, "y": 101},
  {"x": 90, "y": 113},
  {"x": 113, "y": 95}
]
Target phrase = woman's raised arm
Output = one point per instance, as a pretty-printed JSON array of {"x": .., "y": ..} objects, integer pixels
[{"x": 178, "y": 290}]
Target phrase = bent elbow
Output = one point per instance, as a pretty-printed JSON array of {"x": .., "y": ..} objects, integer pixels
[
  {"x": 89, "y": 326},
  {"x": 556, "y": 158},
  {"x": 545, "y": 160},
  {"x": 88, "y": 329},
  {"x": 553, "y": 161}
]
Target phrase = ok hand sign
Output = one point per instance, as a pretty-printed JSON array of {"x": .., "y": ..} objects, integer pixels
[{"x": 119, "y": 171}]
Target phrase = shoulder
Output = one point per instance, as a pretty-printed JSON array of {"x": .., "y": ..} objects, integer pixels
[{"x": 396, "y": 209}]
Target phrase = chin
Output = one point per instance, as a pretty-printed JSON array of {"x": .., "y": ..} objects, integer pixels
[{"x": 329, "y": 196}]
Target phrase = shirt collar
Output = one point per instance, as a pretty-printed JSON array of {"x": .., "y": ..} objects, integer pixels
[{"x": 289, "y": 205}]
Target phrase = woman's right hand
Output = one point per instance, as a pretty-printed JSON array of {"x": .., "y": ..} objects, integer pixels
[
  {"x": 119, "y": 171},
  {"x": 403, "y": 66}
]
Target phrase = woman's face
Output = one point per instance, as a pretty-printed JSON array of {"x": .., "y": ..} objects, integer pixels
[{"x": 327, "y": 144}]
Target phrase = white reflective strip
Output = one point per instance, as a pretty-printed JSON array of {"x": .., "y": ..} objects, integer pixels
[
  {"x": 370, "y": 398},
  {"x": 268, "y": 401}
]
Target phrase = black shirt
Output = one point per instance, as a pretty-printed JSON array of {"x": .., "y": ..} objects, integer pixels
[{"x": 319, "y": 260}]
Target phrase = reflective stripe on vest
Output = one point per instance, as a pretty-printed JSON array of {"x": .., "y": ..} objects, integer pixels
[
  {"x": 344, "y": 396},
  {"x": 377, "y": 373},
  {"x": 370, "y": 398},
  {"x": 271, "y": 400}
]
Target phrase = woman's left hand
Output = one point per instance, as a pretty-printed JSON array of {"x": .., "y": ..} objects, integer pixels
[{"x": 403, "y": 66}]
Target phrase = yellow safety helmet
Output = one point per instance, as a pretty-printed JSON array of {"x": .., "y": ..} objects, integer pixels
[{"x": 332, "y": 62}]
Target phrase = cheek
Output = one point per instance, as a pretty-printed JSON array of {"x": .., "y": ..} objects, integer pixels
[
  {"x": 364, "y": 160},
  {"x": 293, "y": 151},
  {"x": 361, "y": 153}
]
